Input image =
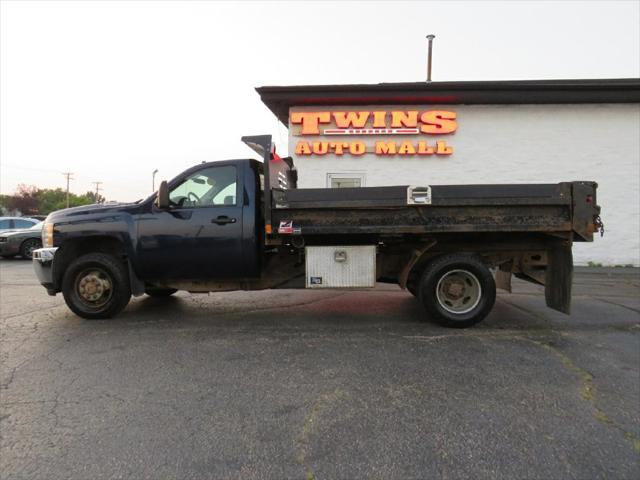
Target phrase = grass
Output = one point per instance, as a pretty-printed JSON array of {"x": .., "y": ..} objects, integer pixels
[{"x": 598, "y": 264}]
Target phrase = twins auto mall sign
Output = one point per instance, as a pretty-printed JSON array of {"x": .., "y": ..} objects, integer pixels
[{"x": 373, "y": 131}]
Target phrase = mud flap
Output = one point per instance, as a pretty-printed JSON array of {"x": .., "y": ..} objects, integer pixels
[
  {"x": 137, "y": 285},
  {"x": 559, "y": 279}
]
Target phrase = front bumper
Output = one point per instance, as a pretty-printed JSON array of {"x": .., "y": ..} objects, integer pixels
[{"x": 43, "y": 266}]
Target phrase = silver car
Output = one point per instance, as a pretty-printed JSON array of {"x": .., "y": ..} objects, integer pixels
[{"x": 21, "y": 242}]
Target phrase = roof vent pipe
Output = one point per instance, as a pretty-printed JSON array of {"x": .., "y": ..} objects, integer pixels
[{"x": 430, "y": 37}]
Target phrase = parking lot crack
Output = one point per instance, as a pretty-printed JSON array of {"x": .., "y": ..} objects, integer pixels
[
  {"x": 21, "y": 314},
  {"x": 588, "y": 390},
  {"x": 46, "y": 356},
  {"x": 615, "y": 303},
  {"x": 310, "y": 423},
  {"x": 12, "y": 375}
]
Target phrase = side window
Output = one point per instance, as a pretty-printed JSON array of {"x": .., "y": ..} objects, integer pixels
[
  {"x": 5, "y": 224},
  {"x": 23, "y": 223},
  {"x": 206, "y": 188}
]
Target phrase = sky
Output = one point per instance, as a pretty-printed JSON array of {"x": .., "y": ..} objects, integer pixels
[{"x": 113, "y": 90}]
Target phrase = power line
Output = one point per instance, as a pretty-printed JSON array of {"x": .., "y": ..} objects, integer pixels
[
  {"x": 34, "y": 169},
  {"x": 69, "y": 177}
]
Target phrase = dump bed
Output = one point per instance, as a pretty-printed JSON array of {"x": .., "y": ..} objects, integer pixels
[
  {"x": 558, "y": 208},
  {"x": 441, "y": 209}
]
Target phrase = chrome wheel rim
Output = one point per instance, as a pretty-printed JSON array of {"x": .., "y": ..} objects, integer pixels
[
  {"x": 458, "y": 291},
  {"x": 94, "y": 287}
]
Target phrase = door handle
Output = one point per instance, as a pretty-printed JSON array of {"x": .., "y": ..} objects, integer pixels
[{"x": 223, "y": 220}]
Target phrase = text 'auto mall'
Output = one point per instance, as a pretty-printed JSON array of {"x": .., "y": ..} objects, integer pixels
[{"x": 475, "y": 132}]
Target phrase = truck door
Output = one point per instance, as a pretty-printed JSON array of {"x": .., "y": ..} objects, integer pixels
[{"x": 200, "y": 235}]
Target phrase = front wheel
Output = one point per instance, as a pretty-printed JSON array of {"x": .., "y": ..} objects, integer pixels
[
  {"x": 28, "y": 246},
  {"x": 96, "y": 285},
  {"x": 457, "y": 290}
]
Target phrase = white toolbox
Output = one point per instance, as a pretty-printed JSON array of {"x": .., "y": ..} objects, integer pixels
[{"x": 351, "y": 266}]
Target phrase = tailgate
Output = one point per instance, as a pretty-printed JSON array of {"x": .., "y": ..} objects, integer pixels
[{"x": 586, "y": 212}]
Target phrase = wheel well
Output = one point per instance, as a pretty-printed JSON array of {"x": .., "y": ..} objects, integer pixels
[
  {"x": 427, "y": 258},
  {"x": 75, "y": 247}
]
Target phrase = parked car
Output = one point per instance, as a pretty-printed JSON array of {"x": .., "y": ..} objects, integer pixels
[
  {"x": 21, "y": 242},
  {"x": 17, "y": 223}
]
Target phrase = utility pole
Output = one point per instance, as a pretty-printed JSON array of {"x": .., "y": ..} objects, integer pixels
[
  {"x": 97, "y": 184},
  {"x": 69, "y": 177}
]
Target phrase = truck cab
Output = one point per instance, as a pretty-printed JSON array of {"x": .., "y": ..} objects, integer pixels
[{"x": 207, "y": 230}]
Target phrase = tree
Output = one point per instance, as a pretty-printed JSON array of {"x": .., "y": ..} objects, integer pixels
[
  {"x": 94, "y": 198},
  {"x": 52, "y": 199},
  {"x": 24, "y": 200},
  {"x": 30, "y": 200}
]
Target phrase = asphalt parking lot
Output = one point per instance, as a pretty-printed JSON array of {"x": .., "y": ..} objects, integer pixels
[{"x": 313, "y": 384}]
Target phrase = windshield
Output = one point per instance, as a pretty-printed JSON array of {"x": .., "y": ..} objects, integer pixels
[{"x": 37, "y": 226}]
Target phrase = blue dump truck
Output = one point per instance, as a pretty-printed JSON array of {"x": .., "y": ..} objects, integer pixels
[{"x": 243, "y": 225}]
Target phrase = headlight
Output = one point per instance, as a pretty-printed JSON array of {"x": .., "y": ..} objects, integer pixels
[{"x": 47, "y": 235}]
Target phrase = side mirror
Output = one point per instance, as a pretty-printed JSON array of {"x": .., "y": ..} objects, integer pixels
[{"x": 162, "y": 200}]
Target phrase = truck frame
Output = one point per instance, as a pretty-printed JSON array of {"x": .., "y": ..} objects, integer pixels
[{"x": 448, "y": 245}]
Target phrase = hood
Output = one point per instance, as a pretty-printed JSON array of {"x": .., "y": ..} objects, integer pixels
[{"x": 90, "y": 209}]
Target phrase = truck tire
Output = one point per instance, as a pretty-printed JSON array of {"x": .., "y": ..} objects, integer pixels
[
  {"x": 28, "y": 246},
  {"x": 96, "y": 285},
  {"x": 457, "y": 290},
  {"x": 160, "y": 292}
]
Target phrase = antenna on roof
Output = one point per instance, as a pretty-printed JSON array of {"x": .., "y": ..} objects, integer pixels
[{"x": 430, "y": 37}]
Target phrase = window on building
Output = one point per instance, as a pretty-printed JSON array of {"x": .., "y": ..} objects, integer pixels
[
  {"x": 345, "y": 180},
  {"x": 337, "y": 182}
]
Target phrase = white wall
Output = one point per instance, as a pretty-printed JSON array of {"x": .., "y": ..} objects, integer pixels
[{"x": 520, "y": 144}]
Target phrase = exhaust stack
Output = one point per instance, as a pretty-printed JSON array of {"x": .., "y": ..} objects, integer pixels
[{"x": 430, "y": 37}]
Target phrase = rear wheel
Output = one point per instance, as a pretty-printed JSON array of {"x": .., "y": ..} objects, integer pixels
[
  {"x": 96, "y": 285},
  {"x": 28, "y": 246},
  {"x": 160, "y": 292},
  {"x": 457, "y": 290}
]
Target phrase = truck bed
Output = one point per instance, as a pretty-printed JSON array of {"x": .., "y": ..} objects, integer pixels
[
  {"x": 547, "y": 208},
  {"x": 567, "y": 209}
]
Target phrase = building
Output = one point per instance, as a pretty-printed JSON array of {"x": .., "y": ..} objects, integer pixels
[{"x": 476, "y": 132}]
